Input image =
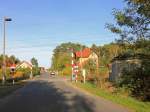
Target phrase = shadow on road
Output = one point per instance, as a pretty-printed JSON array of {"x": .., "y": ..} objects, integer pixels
[{"x": 42, "y": 96}]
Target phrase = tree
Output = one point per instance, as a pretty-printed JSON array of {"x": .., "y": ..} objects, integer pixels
[
  {"x": 35, "y": 69},
  {"x": 34, "y": 62},
  {"x": 9, "y": 60},
  {"x": 133, "y": 22},
  {"x": 133, "y": 26},
  {"x": 62, "y": 55}
]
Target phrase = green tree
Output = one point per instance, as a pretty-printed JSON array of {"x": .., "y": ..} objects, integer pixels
[
  {"x": 62, "y": 55},
  {"x": 35, "y": 69},
  {"x": 133, "y": 22},
  {"x": 34, "y": 62}
]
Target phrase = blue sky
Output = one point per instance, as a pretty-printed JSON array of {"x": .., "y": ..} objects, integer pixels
[{"x": 38, "y": 26}]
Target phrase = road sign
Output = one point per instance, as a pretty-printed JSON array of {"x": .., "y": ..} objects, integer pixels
[
  {"x": 75, "y": 69},
  {"x": 12, "y": 68}
]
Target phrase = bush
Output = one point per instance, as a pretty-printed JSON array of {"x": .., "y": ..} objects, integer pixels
[
  {"x": 67, "y": 71},
  {"x": 138, "y": 81},
  {"x": 8, "y": 75},
  {"x": 35, "y": 71},
  {"x": 18, "y": 74},
  {"x": 25, "y": 72}
]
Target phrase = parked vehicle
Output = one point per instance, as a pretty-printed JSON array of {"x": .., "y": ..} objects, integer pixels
[{"x": 52, "y": 74}]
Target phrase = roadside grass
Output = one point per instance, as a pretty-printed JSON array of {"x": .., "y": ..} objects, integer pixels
[
  {"x": 65, "y": 76},
  {"x": 126, "y": 101},
  {"x": 8, "y": 88}
]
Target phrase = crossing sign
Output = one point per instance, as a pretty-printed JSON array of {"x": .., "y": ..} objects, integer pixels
[
  {"x": 75, "y": 69},
  {"x": 12, "y": 68}
]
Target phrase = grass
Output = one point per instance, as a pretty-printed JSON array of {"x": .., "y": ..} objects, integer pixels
[
  {"x": 129, "y": 102},
  {"x": 9, "y": 88}
]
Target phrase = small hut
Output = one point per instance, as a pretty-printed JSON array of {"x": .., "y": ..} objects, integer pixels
[{"x": 125, "y": 62}]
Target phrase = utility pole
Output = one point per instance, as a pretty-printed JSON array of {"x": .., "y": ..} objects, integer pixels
[{"x": 4, "y": 48}]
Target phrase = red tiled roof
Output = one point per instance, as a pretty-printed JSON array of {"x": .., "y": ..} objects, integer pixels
[
  {"x": 85, "y": 53},
  {"x": 12, "y": 65}
]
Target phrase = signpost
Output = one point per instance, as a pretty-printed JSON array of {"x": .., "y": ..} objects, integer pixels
[
  {"x": 12, "y": 71},
  {"x": 84, "y": 75},
  {"x": 75, "y": 70}
]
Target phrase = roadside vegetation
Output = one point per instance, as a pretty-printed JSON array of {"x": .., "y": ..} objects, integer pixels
[
  {"x": 133, "y": 27},
  {"x": 35, "y": 69},
  {"x": 117, "y": 96},
  {"x": 19, "y": 75}
]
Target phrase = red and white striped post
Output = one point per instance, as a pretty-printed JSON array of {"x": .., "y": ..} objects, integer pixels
[
  {"x": 76, "y": 72},
  {"x": 72, "y": 64}
]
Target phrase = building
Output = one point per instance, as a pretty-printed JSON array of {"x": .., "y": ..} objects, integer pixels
[
  {"x": 25, "y": 64},
  {"x": 125, "y": 63},
  {"x": 85, "y": 55},
  {"x": 42, "y": 69}
]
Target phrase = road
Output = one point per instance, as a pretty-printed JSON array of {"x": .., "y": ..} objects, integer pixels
[{"x": 45, "y": 94}]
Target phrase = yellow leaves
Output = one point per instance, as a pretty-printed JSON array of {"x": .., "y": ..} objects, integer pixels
[{"x": 18, "y": 74}]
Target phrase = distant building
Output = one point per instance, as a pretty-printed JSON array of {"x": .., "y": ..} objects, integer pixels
[
  {"x": 85, "y": 55},
  {"x": 124, "y": 63},
  {"x": 25, "y": 64},
  {"x": 42, "y": 69}
]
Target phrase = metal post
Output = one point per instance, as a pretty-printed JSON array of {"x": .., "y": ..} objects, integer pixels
[
  {"x": 81, "y": 62},
  {"x": 4, "y": 42},
  {"x": 81, "y": 58},
  {"x": 13, "y": 78},
  {"x": 5, "y": 19},
  {"x": 31, "y": 74},
  {"x": 72, "y": 63}
]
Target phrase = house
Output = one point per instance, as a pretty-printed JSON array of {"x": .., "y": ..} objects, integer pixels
[
  {"x": 25, "y": 64},
  {"x": 125, "y": 63},
  {"x": 85, "y": 55},
  {"x": 42, "y": 69}
]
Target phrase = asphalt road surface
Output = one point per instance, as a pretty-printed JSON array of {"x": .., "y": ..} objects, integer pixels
[{"x": 47, "y": 94}]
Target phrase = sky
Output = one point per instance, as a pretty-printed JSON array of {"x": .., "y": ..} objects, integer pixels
[{"x": 38, "y": 26}]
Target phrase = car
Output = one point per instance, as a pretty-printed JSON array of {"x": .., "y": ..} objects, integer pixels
[{"x": 52, "y": 73}]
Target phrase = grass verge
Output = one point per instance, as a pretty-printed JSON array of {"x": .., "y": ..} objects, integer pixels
[
  {"x": 129, "y": 102},
  {"x": 9, "y": 88}
]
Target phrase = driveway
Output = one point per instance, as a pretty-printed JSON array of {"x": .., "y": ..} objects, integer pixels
[{"x": 47, "y": 94}]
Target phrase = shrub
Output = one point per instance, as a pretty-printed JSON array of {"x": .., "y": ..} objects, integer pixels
[
  {"x": 138, "y": 81},
  {"x": 18, "y": 74},
  {"x": 25, "y": 72},
  {"x": 36, "y": 71},
  {"x": 67, "y": 71}
]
